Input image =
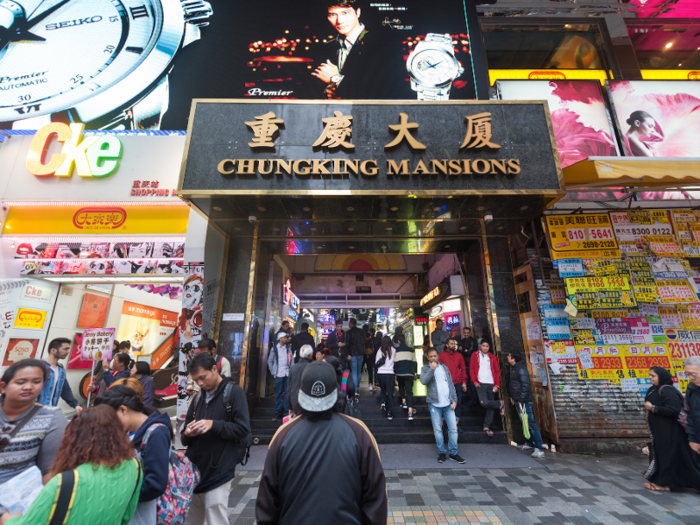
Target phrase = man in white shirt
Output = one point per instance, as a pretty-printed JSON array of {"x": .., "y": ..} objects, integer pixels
[
  {"x": 486, "y": 376},
  {"x": 279, "y": 362},
  {"x": 442, "y": 401}
]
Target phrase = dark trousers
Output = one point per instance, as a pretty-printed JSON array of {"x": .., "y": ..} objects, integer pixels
[
  {"x": 487, "y": 398},
  {"x": 406, "y": 389},
  {"x": 458, "y": 409},
  {"x": 386, "y": 383},
  {"x": 281, "y": 406},
  {"x": 369, "y": 361}
]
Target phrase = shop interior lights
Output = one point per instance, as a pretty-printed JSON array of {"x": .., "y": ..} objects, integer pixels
[{"x": 106, "y": 203}]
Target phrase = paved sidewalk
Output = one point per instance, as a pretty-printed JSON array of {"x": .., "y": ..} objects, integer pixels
[{"x": 570, "y": 489}]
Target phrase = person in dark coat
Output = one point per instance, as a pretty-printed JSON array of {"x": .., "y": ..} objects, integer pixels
[
  {"x": 301, "y": 339},
  {"x": 305, "y": 354},
  {"x": 336, "y": 341},
  {"x": 692, "y": 403},
  {"x": 675, "y": 463},
  {"x": 521, "y": 394}
]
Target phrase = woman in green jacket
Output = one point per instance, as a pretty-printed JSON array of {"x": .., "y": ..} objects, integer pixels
[{"x": 97, "y": 455}]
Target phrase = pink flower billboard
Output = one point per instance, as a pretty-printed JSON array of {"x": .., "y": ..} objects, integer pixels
[
  {"x": 580, "y": 120},
  {"x": 657, "y": 118}
]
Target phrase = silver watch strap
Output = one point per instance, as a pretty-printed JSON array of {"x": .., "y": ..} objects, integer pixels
[
  {"x": 445, "y": 39},
  {"x": 434, "y": 94}
]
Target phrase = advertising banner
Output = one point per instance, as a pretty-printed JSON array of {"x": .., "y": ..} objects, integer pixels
[
  {"x": 146, "y": 327},
  {"x": 18, "y": 349},
  {"x": 30, "y": 319},
  {"x": 657, "y": 118},
  {"x": 572, "y": 235},
  {"x": 189, "y": 329},
  {"x": 93, "y": 312},
  {"x": 631, "y": 226},
  {"x": 76, "y": 361},
  {"x": 580, "y": 121},
  {"x": 606, "y": 362},
  {"x": 97, "y": 344},
  {"x": 597, "y": 284},
  {"x": 676, "y": 291},
  {"x": 142, "y": 64}
]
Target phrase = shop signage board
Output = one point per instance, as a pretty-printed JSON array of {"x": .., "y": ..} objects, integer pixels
[
  {"x": 365, "y": 147},
  {"x": 30, "y": 318},
  {"x": 676, "y": 291},
  {"x": 631, "y": 226},
  {"x": 586, "y": 236},
  {"x": 97, "y": 344}
]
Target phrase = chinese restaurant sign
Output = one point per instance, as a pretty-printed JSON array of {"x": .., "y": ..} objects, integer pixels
[{"x": 240, "y": 147}]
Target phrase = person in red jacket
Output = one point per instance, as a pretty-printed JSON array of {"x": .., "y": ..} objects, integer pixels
[
  {"x": 487, "y": 380},
  {"x": 458, "y": 370}
]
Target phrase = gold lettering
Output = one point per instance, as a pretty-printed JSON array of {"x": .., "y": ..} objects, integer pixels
[
  {"x": 286, "y": 166},
  {"x": 222, "y": 167},
  {"x": 478, "y": 132},
  {"x": 499, "y": 165},
  {"x": 352, "y": 165},
  {"x": 404, "y": 132},
  {"x": 455, "y": 168},
  {"x": 485, "y": 163},
  {"x": 261, "y": 167},
  {"x": 422, "y": 169},
  {"x": 302, "y": 170},
  {"x": 513, "y": 166},
  {"x": 394, "y": 169},
  {"x": 467, "y": 169},
  {"x": 246, "y": 167},
  {"x": 319, "y": 167},
  {"x": 264, "y": 127},
  {"x": 337, "y": 167},
  {"x": 372, "y": 170},
  {"x": 441, "y": 166}
]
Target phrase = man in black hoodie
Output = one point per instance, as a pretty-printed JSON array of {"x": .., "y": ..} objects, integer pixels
[
  {"x": 355, "y": 352},
  {"x": 217, "y": 421},
  {"x": 521, "y": 397},
  {"x": 301, "y": 339}
]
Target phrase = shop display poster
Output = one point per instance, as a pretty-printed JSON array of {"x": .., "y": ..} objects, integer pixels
[
  {"x": 19, "y": 349},
  {"x": 97, "y": 344},
  {"x": 93, "y": 312},
  {"x": 145, "y": 327}
]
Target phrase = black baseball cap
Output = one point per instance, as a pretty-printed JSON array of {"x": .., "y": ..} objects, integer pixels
[{"x": 319, "y": 388}]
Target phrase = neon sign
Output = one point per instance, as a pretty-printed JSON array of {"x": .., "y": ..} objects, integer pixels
[{"x": 289, "y": 298}]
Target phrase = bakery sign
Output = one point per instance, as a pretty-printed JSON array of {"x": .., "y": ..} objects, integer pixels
[{"x": 241, "y": 146}]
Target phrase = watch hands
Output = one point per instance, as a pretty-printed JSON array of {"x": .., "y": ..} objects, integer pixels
[
  {"x": 36, "y": 19},
  {"x": 18, "y": 30}
]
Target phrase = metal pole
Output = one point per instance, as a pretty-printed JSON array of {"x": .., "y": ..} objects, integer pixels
[
  {"x": 92, "y": 375},
  {"x": 537, "y": 251}
]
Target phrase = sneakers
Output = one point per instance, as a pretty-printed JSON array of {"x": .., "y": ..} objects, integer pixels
[
  {"x": 404, "y": 406},
  {"x": 410, "y": 416},
  {"x": 459, "y": 459},
  {"x": 442, "y": 458},
  {"x": 383, "y": 406},
  {"x": 369, "y": 387},
  {"x": 389, "y": 416},
  {"x": 537, "y": 454},
  {"x": 525, "y": 446}
]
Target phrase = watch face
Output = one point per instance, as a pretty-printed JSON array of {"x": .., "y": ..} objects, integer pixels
[
  {"x": 433, "y": 67},
  {"x": 61, "y": 53}
]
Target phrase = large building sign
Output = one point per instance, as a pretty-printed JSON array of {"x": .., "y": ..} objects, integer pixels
[{"x": 242, "y": 146}]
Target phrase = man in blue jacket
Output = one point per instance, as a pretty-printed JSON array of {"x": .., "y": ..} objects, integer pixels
[{"x": 56, "y": 387}]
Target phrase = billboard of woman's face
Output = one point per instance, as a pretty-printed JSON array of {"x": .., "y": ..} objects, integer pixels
[{"x": 657, "y": 118}]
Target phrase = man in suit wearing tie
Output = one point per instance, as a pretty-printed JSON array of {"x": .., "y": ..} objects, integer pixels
[{"x": 362, "y": 66}]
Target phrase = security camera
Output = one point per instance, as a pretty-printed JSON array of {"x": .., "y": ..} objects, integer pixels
[
  {"x": 252, "y": 219},
  {"x": 488, "y": 218}
]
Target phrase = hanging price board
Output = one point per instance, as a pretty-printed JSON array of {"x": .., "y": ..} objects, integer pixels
[
  {"x": 676, "y": 291},
  {"x": 580, "y": 233}
]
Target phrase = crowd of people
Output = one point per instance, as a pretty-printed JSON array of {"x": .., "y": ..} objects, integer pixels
[{"x": 114, "y": 463}]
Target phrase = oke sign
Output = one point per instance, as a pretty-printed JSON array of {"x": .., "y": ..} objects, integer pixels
[{"x": 92, "y": 156}]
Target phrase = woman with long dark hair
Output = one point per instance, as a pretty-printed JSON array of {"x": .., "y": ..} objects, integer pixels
[
  {"x": 672, "y": 464},
  {"x": 385, "y": 375},
  {"x": 138, "y": 420},
  {"x": 30, "y": 433},
  {"x": 96, "y": 470}
]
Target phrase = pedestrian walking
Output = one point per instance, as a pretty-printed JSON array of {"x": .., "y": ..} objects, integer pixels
[
  {"x": 468, "y": 346},
  {"x": 521, "y": 398},
  {"x": 301, "y": 339},
  {"x": 322, "y": 453},
  {"x": 151, "y": 434},
  {"x": 335, "y": 342},
  {"x": 295, "y": 378},
  {"x": 142, "y": 372},
  {"x": 95, "y": 478},
  {"x": 216, "y": 427},
  {"x": 385, "y": 375},
  {"x": 692, "y": 403},
  {"x": 377, "y": 345},
  {"x": 279, "y": 362},
  {"x": 208, "y": 346},
  {"x": 355, "y": 352},
  {"x": 24, "y": 445},
  {"x": 454, "y": 362},
  {"x": 369, "y": 356},
  {"x": 486, "y": 377},
  {"x": 56, "y": 387},
  {"x": 346, "y": 387},
  {"x": 405, "y": 370},
  {"x": 672, "y": 463},
  {"x": 439, "y": 336},
  {"x": 442, "y": 401}
]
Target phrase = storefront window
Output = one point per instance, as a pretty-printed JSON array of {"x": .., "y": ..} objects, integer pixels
[
  {"x": 537, "y": 46},
  {"x": 667, "y": 47}
]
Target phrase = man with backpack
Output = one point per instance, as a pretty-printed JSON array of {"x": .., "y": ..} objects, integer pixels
[
  {"x": 208, "y": 346},
  {"x": 217, "y": 430}
]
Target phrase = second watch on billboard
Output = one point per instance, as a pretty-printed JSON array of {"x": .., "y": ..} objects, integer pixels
[
  {"x": 433, "y": 67},
  {"x": 104, "y": 62}
]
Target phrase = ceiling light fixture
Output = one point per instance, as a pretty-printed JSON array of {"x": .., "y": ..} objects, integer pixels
[
  {"x": 350, "y": 208},
  {"x": 351, "y": 229},
  {"x": 260, "y": 208},
  {"x": 394, "y": 208},
  {"x": 481, "y": 208},
  {"x": 306, "y": 208},
  {"x": 523, "y": 208},
  {"x": 669, "y": 45},
  {"x": 463, "y": 228},
  {"x": 217, "y": 208}
]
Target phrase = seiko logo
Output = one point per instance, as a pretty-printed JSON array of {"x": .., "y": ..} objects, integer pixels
[
  {"x": 73, "y": 23},
  {"x": 99, "y": 218}
]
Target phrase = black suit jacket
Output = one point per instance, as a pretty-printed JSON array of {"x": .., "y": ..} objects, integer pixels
[{"x": 374, "y": 69}]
